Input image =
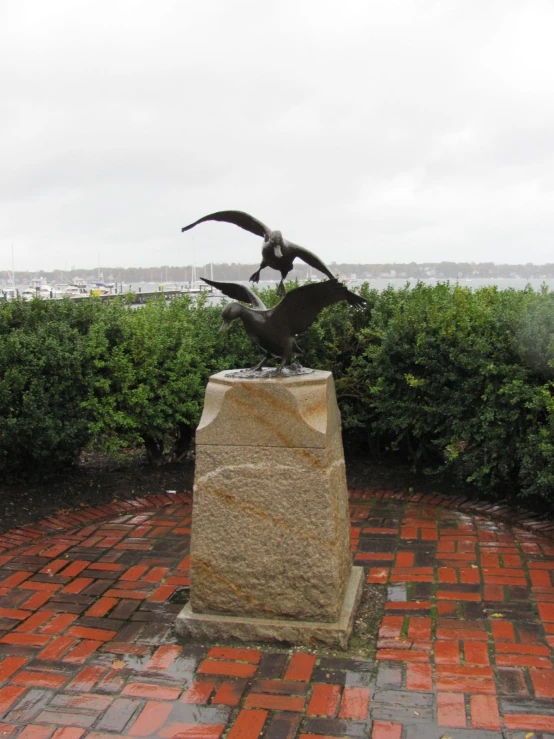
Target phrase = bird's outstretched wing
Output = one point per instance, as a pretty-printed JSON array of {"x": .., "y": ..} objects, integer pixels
[
  {"x": 301, "y": 306},
  {"x": 237, "y": 292},
  {"x": 309, "y": 257},
  {"x": 238, "y": 217}
]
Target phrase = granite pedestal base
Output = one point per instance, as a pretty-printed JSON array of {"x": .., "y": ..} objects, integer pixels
[
  {"x": 270, "y": 547},
  {"x": 211, "y": 627}
]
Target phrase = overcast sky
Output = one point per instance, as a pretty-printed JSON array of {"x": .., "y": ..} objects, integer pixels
[{"x": 367, "y": 131}]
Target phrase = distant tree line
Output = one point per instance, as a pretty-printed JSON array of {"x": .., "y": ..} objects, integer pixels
[{"x": 234, "y": 272}]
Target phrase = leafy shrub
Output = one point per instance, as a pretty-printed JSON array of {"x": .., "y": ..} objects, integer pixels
[
  {"x": 149, "y": 376},
  {"x": 445, "y": 379},
  {"x": 43, "y": 382},
  {"x": 151, "y": 367},
  {"x": 453, "y": 380}
]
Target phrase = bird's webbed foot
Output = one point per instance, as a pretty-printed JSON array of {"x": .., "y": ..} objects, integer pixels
[
  {"x": 260, "y": 365},
  {"x": 255, "y": 277},
  {"x": 281, "y": 292}
]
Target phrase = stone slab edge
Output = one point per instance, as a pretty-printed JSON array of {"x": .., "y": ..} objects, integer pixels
[{"x": 247, "y": 629}]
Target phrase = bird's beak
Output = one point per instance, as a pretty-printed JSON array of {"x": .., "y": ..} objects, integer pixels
[{"x": 224, "y": 326}]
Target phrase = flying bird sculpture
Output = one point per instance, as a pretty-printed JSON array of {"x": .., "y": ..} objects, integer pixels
[
  {"x": 274, "y": 329},
  {"x": 277, "y": 252}
]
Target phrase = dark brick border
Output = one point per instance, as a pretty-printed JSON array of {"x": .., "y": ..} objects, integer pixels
[{"x": 64, "y": 522}]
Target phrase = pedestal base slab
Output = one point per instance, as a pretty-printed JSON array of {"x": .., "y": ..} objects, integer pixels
[{"x": 214, "y": 628}]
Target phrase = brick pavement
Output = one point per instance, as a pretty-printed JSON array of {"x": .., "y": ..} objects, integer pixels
[{"x": 463, "y": 651}]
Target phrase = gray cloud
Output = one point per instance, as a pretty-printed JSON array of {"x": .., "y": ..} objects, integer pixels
[{"x": 395, "y": 130}]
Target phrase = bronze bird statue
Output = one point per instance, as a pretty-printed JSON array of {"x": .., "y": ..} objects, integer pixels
[
  {"x": 274, "y": 329},
  {"x": 277, "y": 252}
]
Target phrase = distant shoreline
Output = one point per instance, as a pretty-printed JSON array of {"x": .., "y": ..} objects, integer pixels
[
  {"x": 375, "y": 283},
  {"x": 241, "y": 272}
]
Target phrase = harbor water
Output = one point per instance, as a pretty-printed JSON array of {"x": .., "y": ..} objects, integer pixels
[{"x": 379, "y": 284}]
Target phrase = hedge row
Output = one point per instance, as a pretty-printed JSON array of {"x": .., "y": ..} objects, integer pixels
[{"x": 452, "y": 379}]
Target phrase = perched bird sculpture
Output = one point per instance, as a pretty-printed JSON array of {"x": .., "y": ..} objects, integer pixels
[
  {"x": 277, "y": 252},
  {"x": 274, "y": 329}
]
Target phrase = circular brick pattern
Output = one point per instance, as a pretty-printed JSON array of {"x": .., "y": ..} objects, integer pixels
[{"x": 464, "y": 648}]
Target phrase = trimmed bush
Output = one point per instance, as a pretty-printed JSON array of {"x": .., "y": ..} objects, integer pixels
[
  {"x": 453, "y": 380},
  {"x": 43, "y": 383},
  {"x": 151, "y": 367},
  {"x": 448, "y": 378}
]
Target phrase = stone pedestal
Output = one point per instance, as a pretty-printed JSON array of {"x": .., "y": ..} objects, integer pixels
[{"x": 270, "y": 550}]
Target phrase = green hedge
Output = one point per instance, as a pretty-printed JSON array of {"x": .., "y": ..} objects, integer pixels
[{"x": 453, "y": 380}]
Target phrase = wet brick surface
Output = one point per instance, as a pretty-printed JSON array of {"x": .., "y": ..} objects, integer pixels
[{"x": 463, "y": 650}]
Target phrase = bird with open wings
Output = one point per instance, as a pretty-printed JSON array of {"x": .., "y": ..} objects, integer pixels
[
  {"x": 277, "y": 252},
  {"x": 274, "y": 329}
]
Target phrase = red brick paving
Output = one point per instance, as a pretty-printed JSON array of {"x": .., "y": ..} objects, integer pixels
[{"x": 464, "y": 645}]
